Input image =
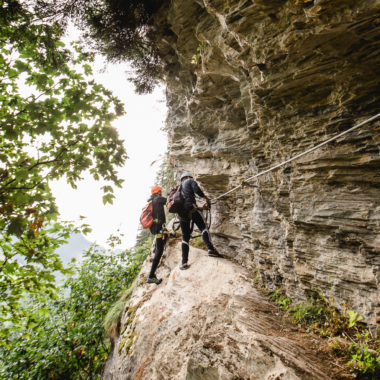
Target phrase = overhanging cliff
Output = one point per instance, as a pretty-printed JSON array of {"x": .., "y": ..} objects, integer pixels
[
  {"x": 250, "y": 84},
  {"x": 253, "y": 83}
]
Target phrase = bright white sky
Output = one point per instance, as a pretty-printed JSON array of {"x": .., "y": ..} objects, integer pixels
[{"x": 145, "y": 142}]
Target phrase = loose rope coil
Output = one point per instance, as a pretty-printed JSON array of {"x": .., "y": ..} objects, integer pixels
[{"x": 297, "y": 156}]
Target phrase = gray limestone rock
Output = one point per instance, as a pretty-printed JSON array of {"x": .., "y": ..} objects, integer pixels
[
  {"x": 256, "y": 83},
  {"x": 251, "y": 84}
]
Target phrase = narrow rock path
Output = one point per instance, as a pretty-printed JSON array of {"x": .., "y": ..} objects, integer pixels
[{"x": 210, "y": 323}]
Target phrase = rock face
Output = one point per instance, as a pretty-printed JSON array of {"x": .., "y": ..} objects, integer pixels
[
  {"x": 251, "y": 83},
  {"x": 208, "y": 323}
]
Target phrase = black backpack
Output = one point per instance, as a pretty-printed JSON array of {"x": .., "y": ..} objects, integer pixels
[{"x": 175, "y": 200}]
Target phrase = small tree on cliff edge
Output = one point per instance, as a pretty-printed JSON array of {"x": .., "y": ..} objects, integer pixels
[
  {"x": 120, "y": 30},
  {"x": 55, "y": 122}
]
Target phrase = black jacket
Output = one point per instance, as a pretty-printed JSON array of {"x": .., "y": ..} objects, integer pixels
[
  {"x": 158, "y": 213},
  {"x": 189, "y": 189}
]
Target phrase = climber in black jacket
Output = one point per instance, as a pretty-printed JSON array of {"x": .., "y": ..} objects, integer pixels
[
  {"x": 190, "y": 212},
  {"x": 158, "y": 229}
]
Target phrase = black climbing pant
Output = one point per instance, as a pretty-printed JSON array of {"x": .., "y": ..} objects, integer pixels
[
  {"x": 198, "y": 220},
  {"x": 158, "y": 251}
]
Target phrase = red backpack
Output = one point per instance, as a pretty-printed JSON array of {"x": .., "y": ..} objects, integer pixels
[{"x": 146, "y": 218}]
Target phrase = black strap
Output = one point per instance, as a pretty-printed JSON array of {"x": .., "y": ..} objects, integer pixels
[
  {"x": 207, "y": 222},
  {"x": 177, "y": 225}
]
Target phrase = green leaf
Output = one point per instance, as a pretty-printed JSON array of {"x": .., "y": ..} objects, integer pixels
[
  {"x": 16, "y": 226},
  {"x": 9, "y": 268},
  {"x": 22, "y": 174},
  {"x": 87, "y": 69},
  {"x": 21, "y": 66},
  {"x": 108, "y": 198}
]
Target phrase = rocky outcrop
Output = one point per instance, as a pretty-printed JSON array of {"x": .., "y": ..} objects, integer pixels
[
  {"x": 209, "y": 323},
  {"x": 251, "y": 83}
]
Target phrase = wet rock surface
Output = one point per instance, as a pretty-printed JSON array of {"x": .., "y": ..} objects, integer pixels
[{"x": 253, "y": 83}]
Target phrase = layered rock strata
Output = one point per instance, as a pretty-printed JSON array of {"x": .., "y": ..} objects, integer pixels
[
  {"x": 209, "y": 323},
  {"x": 251, "y": 83}
]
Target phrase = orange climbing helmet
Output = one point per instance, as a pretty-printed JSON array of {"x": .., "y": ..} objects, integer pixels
[{"x": 156, "y": 189}]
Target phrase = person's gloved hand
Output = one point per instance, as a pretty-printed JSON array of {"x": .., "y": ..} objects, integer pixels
[{"x": 206, "y": 206}]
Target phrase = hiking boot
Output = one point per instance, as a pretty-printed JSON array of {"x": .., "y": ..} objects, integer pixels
[
  {"x": 184, "y": 266},
  {"x": 214, "y": 253},
  {"x": 154, "y": 280}
]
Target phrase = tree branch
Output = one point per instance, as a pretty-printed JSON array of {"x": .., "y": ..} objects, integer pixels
[{"x": 5, "y": 187}]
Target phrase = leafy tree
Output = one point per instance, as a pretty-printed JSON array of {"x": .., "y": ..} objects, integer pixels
[
  {"x": 56, "y": 121},
  {"x": 165, "y": 175},
  {"x": 165, "y": 179},
  {"x": 143, "y": 235},
  {"x": 69, "y": 341},
  {"x": 121, "y": 30}
]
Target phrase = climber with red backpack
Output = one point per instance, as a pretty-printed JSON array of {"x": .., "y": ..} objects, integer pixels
[
  {"x": 190, "y": 212},
  {"x": 153, "y": 217}
]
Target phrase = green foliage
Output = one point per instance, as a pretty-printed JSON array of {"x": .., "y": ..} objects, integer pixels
[
  {"x": 68, "y": 340},
  {"x": 353, "y": 318},
  {"x": 165, "y": 179},
  {"x": 280, "y": 299},
  {"x": 198, "y": 243},
  {"x": 121, "y": 30},
  {"x": 56, "y": 121},
  {"x": 305, "y": 312},
  {"x": 364, "y": 361},
  {"x": 195, "y": 59},
  {"x": 143, "y": 236},
  {"x": 165, "y": 175},
  {"x": 113, "y": 317},
  {"x": 27, "y": 268},
  {"x": 322, "y": 317}
]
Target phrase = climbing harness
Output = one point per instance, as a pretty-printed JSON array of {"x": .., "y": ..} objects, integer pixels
[
  {"x": 207, "y": 217},
  {"x": 297, "y": 156}
]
